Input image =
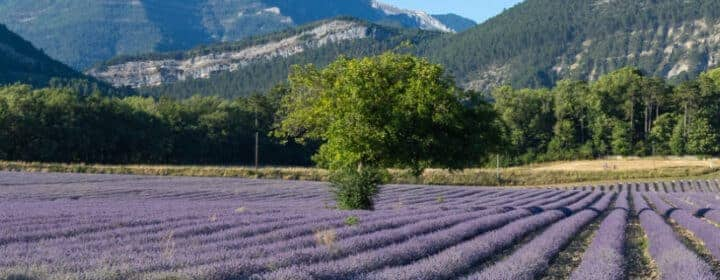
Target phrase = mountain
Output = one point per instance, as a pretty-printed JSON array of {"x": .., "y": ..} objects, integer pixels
[
  {"x": 534, "y": 44},
  {"x": 538, "y": 42},
  {"x": 255, "y": 64},
  {"x": 455, "y": 22},
  {"x": 22, "y": 62},
  {"x": 84, "y": 32}
]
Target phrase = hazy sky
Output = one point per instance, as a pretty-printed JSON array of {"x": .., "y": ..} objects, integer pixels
[{"x": 478, "y": 10}]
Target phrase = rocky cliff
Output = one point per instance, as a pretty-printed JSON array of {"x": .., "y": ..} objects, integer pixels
[
  {"x": 83, "y": 33},
  {"x": 144, "y": 73}
]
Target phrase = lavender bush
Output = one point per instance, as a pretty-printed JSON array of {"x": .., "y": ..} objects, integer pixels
[
  {"x": 604, "y": 258},
  {"x": 674, "y": 260},
  {"x": 73, "y": 226}
]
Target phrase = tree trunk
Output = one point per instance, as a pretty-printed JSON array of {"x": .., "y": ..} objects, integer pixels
[
  {"x": 645, "y": 122},
  {"x": 685, "y": 121}
]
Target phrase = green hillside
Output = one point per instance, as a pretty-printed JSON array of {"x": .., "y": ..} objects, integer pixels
[
  {"x": 22, "y": 62},
  {"x": 82, "y": 33},
  {"x": 533, "y": 44},
  {"x": 540, "y": 41}
]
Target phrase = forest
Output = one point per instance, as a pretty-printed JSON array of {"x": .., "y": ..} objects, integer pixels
[
  {"x": 623, "y": 113},
  {"x": 59, "y": 124}
]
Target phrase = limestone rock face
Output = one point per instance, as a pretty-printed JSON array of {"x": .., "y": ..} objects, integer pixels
[
  {"x": 84, "y": 33},
  {"x": 145, "y": 73}
]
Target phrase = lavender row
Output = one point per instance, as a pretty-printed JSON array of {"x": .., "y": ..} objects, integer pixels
[
  {"x": 244, "y": 268},
  {"x": 455, "y": 259},
  {"x": 533, "y": 258},
  {"x": 604, "y": 259},
  {"x": 701, "y": 186},
  {"x": 705, "y": 231},
  {"x": 132, "y": 241},
  {"x": 674, "y": 260},
  {"x": 708, "y": 211},
  {"x": 102, "y": 245}
]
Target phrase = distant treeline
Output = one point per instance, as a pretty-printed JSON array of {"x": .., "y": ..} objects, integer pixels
[
  {"x": 622, "y": 113},
  {"x": 62, "y": 125}
]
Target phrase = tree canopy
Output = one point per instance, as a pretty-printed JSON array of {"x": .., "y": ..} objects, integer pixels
[
  {"x": 389, "y": 110},
  {"x": 62, "y": 125},
  {"x": 623, "y": 113}
]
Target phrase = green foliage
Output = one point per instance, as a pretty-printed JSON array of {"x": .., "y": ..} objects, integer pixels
[
  {"x": 678, "y": 139},
  {"x": 563, "y": 140},
  {"x": 529, "y": 119},
  {"x": 355, "y": 189},
  {"x": 622, "y": 113},
  {"x": 661, "y": 135},
  {"x": 702, "y": 139},
  {"x": 386, "y": 111},
  {"x": 601, "y": 127},
  {"x": 61, "y": 125},
  {"x": 621, "y": 139},
  {"x": 352, "y": 221}
]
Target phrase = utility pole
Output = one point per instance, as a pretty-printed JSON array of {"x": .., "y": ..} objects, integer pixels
[
  {"x": 497, "y": 170},
  {"x": 257, "y": 138}
]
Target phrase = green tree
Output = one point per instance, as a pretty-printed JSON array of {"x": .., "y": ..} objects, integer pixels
[
  {"x": 564, "y": 142},
  {"x": 678, "y": 139},
  {"x": 687, "y": 97},
  {"x": 602, "y": 129},
  {"x": 386, "y": 111},
  {"x": 63, "y": 125},
  {"x": 621, "y": 139},
  {"x": 528, "y": 116},
  {"x": 661, "y": 134},
  {"x": 702, "y": 139},
  {"x": 571, "y": 115},
  {"x": 619, "y": 95}
]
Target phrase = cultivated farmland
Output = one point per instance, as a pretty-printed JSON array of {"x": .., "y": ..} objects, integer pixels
[{"x": 72, "y": 226}]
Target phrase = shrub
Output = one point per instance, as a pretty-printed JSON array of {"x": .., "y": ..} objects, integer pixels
[
  {"x": 352, "y": 220},
  {"x": 355, "y": 189},
  {"x": 326, "y": 238}
]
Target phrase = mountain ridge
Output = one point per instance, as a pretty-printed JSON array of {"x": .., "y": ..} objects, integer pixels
[
  {"x": 538, "y": 42},
  {"x": 24, "y": 63},
  {"x": 203, "y": 62},
  {"x": 82, "y": 33},
  {"x": 254, "y": 65},
  {"x": 533, "y": 44},
  {"x": 455, "y": 22}
]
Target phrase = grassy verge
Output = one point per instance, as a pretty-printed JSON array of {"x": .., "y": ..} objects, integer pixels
[
  {"x": 696, "y": 245},
  {"x": 570, "y": 258},
  {"x": 291, "y": 173},
  {"x": 640, "y": 264},
  {"x": 541, "y": 175},
  {"x": 692, "y": 242}
]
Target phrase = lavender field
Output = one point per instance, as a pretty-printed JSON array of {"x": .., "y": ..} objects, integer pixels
[{"x": 72, "y": 226}]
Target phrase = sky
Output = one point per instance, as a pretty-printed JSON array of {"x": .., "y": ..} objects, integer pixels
[{"x": 478, "y": 10}]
